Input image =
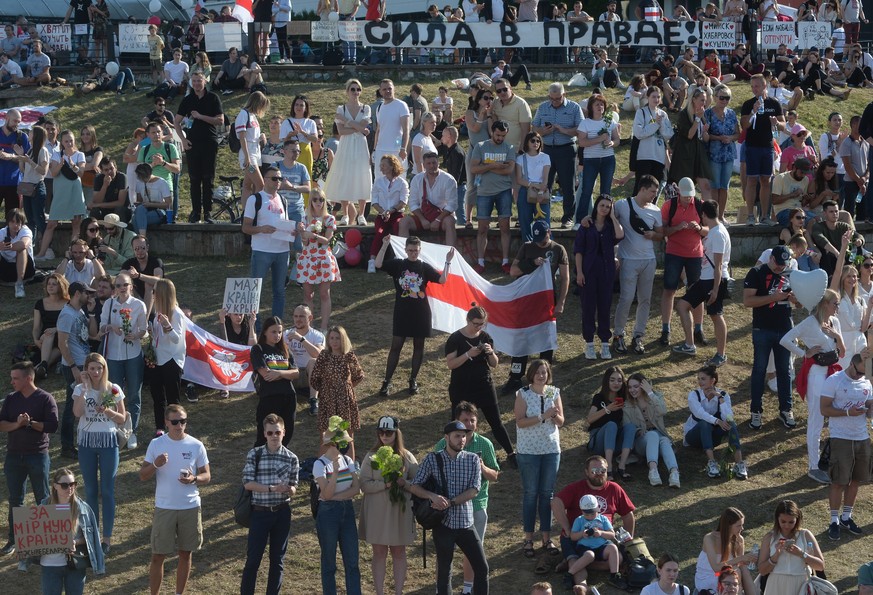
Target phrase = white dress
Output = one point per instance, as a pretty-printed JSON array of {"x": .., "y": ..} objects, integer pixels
[
  {"x": 850, "y": 316},
  {"x": 349, "y": 177}
]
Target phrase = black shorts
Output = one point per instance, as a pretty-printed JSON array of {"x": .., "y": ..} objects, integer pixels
[
  {"x": 698, "y": 293},
  {"x": 598, "y": 551},
  {"x": 9, "y": 272}
]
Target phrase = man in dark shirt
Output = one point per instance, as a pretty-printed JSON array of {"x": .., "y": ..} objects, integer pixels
[
  {"x": 766, "y": 292},
  {"x": 760, "y": 115},
  {"x": 455, "y": 162},
  {"x": 228, "y": 77},
  {"x": 29, "y": 415},
  {"x": 80, "y": 27},
  {"x": 827, "y": 235},
  {"x": 145, "y": 270},
  {"x": 197, "y": 121},
  {"x": 110, "y": 192},
  {"x": 10, "y": 171}
]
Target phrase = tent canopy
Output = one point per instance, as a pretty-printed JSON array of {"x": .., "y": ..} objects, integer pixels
[{"x": 120, "y": 10}]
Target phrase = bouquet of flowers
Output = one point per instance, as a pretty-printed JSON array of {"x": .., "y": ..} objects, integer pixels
[
  {"x": 338, "y": 427},
  {"x": 107, "y": 399},
  {"x": 125, "y": 323},
  {"x": 607, "y": 122},
  {"x": 315, "y": 227},
  {"x": 148, "y": 353},
  {"x": 390, "y": 465}
]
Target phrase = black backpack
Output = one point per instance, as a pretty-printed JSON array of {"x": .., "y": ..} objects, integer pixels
[
  {"x": 640, "y": 573},
  {"x": 259, "y": 200},
  {"x": 233, "y": 139},
  {"x": 333, "y": 56},
  {"x": 674, "y": 204}
]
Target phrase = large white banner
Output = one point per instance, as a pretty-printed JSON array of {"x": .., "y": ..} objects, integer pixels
[
  {"x": 222, "y": 36},
  {"x": 547, "y": 34},
  {"x": 718, "y": 36},
  {"x": 133, "y": 38},
  {"x": 775, "y": 33},
  {"x": 57, "y": 37},
  {"x": 814, "y": 34}
]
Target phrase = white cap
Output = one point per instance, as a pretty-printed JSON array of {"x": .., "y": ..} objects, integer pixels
[{"x": 686, "y": 187}]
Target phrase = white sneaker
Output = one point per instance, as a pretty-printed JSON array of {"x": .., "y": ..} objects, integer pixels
[
  {"x": 740, "y": 471},
  {"x": 674, "y": 478},
  {"x": 19, "y": 289},
  {"x": 604, "y": 352},
  {"x": 712, "y": 469},
  {"x": 344, "y": 220},
  {"x": 654, "y": 477},
  {"x": 371, "y": 266},
  {"x": 362, "y": 220},
  {"x": 590, "y": 352},
  {"x": 131, "y": 442}
]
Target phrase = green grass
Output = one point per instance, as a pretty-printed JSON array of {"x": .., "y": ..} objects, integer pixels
[{"x": 669, "y": 520}]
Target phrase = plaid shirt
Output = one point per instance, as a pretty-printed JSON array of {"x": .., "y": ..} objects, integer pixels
[
  {"x": 462, "y": 473},
  {"x": 274, "y": 468}
]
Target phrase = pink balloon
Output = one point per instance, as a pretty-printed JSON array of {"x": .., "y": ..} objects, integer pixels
[
  {"x": 353, "y": 255},
  {"x": 353, "y": 237}
]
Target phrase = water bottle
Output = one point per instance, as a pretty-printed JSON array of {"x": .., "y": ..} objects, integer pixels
[
  {"x": 754, "y": 565},
  {"x": 858, "y": 198}
]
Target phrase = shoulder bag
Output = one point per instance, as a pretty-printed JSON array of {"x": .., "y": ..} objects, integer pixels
[
  {"x": 426, "y": 515},
  {"x": 242, "y": 508}
]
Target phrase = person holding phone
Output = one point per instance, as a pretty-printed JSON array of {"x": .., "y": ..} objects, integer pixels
[
  {"x": 606, "y": 424},
  {"x": 788, "y": 552}
]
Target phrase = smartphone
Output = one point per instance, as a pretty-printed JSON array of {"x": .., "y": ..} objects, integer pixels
[{"x": 788, "y": 543}]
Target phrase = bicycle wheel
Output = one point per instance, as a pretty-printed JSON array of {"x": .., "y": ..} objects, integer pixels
[{"x": 223, "y": 211}]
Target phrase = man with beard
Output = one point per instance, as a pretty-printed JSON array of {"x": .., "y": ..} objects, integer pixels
[
  {"x": 110, "y": 192},
  {"x": 116, "y": 245},
  {"x": 305, "y": 344},
  {"x": 10, "y": 172},
  {"x": 565, "y": 507}
]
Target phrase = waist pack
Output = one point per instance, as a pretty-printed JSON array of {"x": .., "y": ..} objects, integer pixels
[{"x": 826, "y": 358}]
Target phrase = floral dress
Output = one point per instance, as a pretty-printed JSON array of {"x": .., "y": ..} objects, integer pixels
[
  {"x": 317, "y": 264},
  {"x": 320, "y": 167},
  {"x": 720, "y": 152},
  {"x": 334, "y": 377}
]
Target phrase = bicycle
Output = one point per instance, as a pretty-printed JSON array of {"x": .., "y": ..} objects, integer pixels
[{"x": 227, "y": 201}]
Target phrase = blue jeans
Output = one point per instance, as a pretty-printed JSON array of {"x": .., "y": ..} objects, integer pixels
[
  {"x": 707, "y": 436},
  {"x": 609, "y": 436},
  {"x": 60, "y": 579},
  {"x": 274, "y": 527},
  {"x": 526, "y": 212},
  {"x": 350, "y": 48},
  {"x": 295, "y": 213},
  {"x": 653, "y": 443},
  {"x": 124, "y": 76},
  {"x": 591, "y": 169},
  {"x": 143, "y": 217},
  {"x": 18, "y": 468},
  {"x": 34, "y": 209},
  {"x": 67, "y": 417},
  {"x": 538, "y": 473},
  {"x": 104, "y": 460},
  {"x": 128, "y": 374},
  {"x": 721, "y": 174},
  {"x": 460, "y": 212},
  {"x": 763, "y": 342},
  {"x": 277, "y": 263},
  {"x": 334, "y": 525},
  {"x": 563, "y": 167}
]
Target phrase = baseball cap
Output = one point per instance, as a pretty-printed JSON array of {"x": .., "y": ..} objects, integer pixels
[
  {"x": 686, "y": 187},
  {"x": 77, "y": 286},
  {"x": 798, "y": 129},
  {"x": 539, "y": 229},
  {"x": 802, "y": 163},
  {"x": 454, "y": 426},
  {"x": 588, "y": 502},
  {"x": 386, "y": 422},
  {"x": 781, "y": 255}
]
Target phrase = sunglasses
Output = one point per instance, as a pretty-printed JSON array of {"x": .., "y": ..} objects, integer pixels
[
  {"x": 160, "y": 104},
  {"x": 503, "y": 90},
  {"x": 277, "y": 178},
  {"x": 868, "y": 265},
  {"x": 598, "y": 470},
  {"x": 177, "y": 422},
  {"x": 93, "y": 229},
  {"x": 120, "y": 285},
  {"x": 316, "y": 200},
  {"x": 386, "y": 432},
  {"x": 354, "y": 90},
  {"x": 594, "y": 511},
  {"x": 65, "y": 485},
  {"x": 724, "y": 97},
  {"x": 269, "y": 433},
  {"x": 536, "y": 141}
]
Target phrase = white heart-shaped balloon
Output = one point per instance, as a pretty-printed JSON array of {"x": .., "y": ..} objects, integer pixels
[{"x": 809, "y": 287}]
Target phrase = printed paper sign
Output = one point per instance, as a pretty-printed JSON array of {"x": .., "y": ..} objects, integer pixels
[
  {"x": 133, "y": 38},
  {"x": 775, "y": 33},
  {"x": 43, "y": 529},
  {"x": 351, "y": 31},
  {"x": 814, "y": 34},
  {"x": 222, "y": 36},
  {"x": 718, "y": 36},
  {"x": 324, "y": 31},
  {"x": 242, "y": 295},
  {"x": 56, "y": 37},
  {"x": 81, "y": 29}
]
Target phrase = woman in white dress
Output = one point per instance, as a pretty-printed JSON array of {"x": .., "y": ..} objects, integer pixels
[
  {"x": 853, "y": 311},
  {"x": 349, "y": 178},
  {"x": 788, "y": 552},
  {"x": 302, "y": 128}
]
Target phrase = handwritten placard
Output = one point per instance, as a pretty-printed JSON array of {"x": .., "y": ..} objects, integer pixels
[
  {"x": 56, "y": 37},
  {"x": 814, "y": 34},
  {"x": 222, "y": 36},
  {"x": 43, "y": 529},
  {"x": 133, "y": 38},
  {"x": 351, "y": 31},
  {"x": 242, "y": 295},
  {"x": 324, "y": 31},
  {"x": 775, "y": 33},
  {"x": 718, "y": 36}
]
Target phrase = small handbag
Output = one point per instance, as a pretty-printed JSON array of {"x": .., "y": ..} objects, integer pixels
[
  {"x": 426, "y": 515},
  {"x": 79, "y": 558},
  {"x": 242, "y": 508},
  {"x": 826, "y": 358},
  {"x": 124, "y": 430}
]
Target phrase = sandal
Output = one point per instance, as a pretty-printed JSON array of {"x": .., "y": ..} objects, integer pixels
[
  {"x": 624, "y": 474},
  {"x": 528, "y": 548},
  {"x": 542, "y": 566},
  {"x": 550, "y": 548}
]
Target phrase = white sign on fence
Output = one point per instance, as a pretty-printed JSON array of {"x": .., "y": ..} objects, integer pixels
[
  {"x": 814, "y": 34},
  {"x": 324, "y": 31},
  {"x": 775, "y": 33},
  {"x": 242, "y": 295},
  {"x": 133, "y": 38},
  {"x": 57, "y": 37},
  {"x": 351, "y": 31},
  {"x": 222, "y": 36},
  {"x": 718, "y": 36}
]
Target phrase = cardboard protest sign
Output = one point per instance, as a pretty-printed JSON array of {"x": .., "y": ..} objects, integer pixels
[
  {"x": 220, "y": 37},
  {"x": 42, "y": 529},
  {"x": 814, "y": 34},
  {"x": 56, "y": 37},
  {"x": 242, "y": 295},
  {"x": 324, "y": 31}
]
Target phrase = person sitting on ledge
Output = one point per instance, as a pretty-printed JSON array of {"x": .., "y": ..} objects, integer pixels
[{"x": 38, "y": 67}]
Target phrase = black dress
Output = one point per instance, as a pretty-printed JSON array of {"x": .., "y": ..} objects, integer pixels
[
  {"x": 411, "y": 308},
  {"x": 471, "y": 381}
]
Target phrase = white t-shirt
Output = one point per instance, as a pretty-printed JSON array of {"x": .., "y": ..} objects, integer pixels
[
  {"x": 299, "y": 354},
  {"x": 470, "y": 15},
  {"x": 838, "y": 40},
  {"x": 177, "y": 72},
  {"x": 95, "y": 429},
  {"x": 271, "y": 210},
  {"x": 253, "y": 135},
  {"x": 634, "y": 246},
  {"x": 591, "y": 128},
  {"x": 56, "y": 149},
  {"x": 170, "y": 493},
  {"x": 74, "y": 275},
  {"x": 24, "y": 232},
  {"x": 441, "y": 105},
  {"x": 848, "y": 393},
  {"x": 30, "y": 173},
  {"x": 851, "y": 10},
  {"x": 12, "y": 68},
  {"x": 77, "y": 158},
  {"x": 717, "y": 241},
  {"x": 155, "y": 191},
  {"x": 426, "y": 145},
  {"x": 390, "y": 130},
  {"x": 306, "y": 125},
  {"x": 534, "y": 170},
  {"x": 345, "y": 475}
]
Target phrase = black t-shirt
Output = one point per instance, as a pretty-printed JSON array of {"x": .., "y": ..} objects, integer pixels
[
  {"x": 151, "y": 264},
  {"x": 208, "y": 105},
  {"x": 80, "y": 11},
  {"x": 119, "y": 182},
  {"x": 167, "y": 115},
  {"x": 600, "y": 402},
  {"x": 775, "y": 316},
  {"x": 241, "y": 337},
  {"x": 761, "y": 134},
  {"x": 263, "y": 11},
  {"x": 272, "y": 358},
  {"x": 411, "y": 308},
  {"x": 473, "y": 376}
]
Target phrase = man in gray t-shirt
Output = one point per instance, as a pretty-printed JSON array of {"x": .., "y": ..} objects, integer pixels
[
  {"x": 74, "y": 329},
  {"x": 38, "y": 68}
]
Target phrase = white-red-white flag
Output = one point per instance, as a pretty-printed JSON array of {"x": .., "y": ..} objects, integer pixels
[
  {"x": 216, "y": 363},
  {"x": 521, "y": 315},
  {"x": 242, "y": 11}
]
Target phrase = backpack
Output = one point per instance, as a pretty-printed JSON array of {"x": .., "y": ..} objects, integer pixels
[
  {"x": 674, "y": 204},
  {"x": 333, "y": 56},
  {"x": 233, "y": 142},
  {"x": 259, "y": 200},
  {"x": 166, "y": 150},
  {"x": 640, "y": 572}
]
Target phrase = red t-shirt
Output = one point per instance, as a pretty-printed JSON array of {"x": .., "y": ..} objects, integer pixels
[
  {"x": 686, "y": 243},
  {"x": 612, "y": 498}
]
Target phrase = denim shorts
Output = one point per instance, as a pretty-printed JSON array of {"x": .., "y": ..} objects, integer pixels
[
  {"x": 485, "y": 204},
  {"x": 721, "y": 175},
  {"x": 673, "y": 266},
  {"x": 759, "y": 161}
]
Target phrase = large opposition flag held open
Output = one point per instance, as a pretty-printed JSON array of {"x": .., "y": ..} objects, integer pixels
[
  {"x": 242, "y": 11},
  {"x": 521, "y": 315},
  {"x": 216, "y": 363}
]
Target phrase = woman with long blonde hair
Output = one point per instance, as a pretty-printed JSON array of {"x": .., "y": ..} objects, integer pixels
[
  {"x": 316, "y": 264},
  {"x": 168, "y": 338}
]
